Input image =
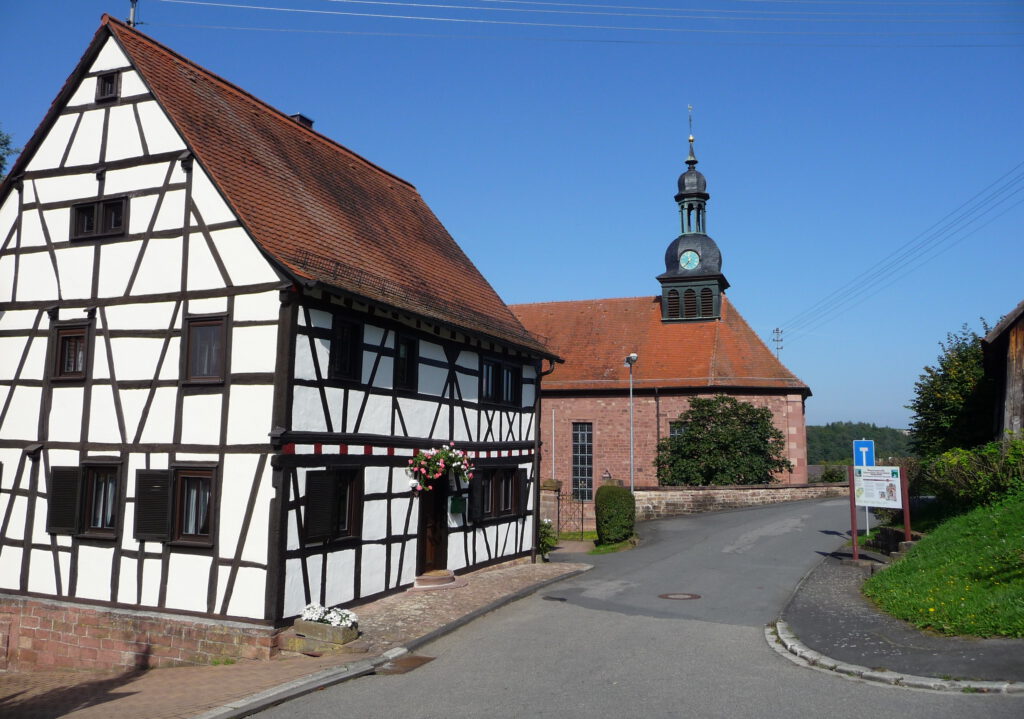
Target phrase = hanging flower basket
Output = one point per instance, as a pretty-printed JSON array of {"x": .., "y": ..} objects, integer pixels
[{"x": 429, "y": 468}]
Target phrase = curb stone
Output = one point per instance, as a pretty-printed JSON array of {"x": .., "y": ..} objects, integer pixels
[
  {"x": 254, "y": 703},
  {"x": 781, "y": 639}
]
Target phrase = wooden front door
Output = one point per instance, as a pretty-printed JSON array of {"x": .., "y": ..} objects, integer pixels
[{"x": 433, "y": 531}]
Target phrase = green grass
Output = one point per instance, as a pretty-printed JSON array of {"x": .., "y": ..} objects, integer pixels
[
  {"x": 964, "y": 578},
  {"x": 616, "y": 547},
  {"x": 578, "y": 536}
]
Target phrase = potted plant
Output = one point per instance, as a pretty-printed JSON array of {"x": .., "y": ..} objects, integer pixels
[
  {"x": 336, "y": 626},
  {"x": 429, "y": 467}
]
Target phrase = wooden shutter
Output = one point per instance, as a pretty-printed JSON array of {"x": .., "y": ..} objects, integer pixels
[
  {"x": 522, "y": 491},
  {"x": 320, "y": 504},
  {"x": 689, "y": 304},
  {"x": 153, "y": 505},
  {"x": 62, "y": 504},
  {"x": 476, "y": 497},
  {"x": 707, "y": 303},
  {"x": 673, "y": 304}
]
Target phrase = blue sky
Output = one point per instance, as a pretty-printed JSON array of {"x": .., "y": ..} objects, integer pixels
[{"x": 832, "y": 134}]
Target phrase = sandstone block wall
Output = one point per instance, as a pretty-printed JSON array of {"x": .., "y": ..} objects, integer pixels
[{"x": 658, "y": 502}]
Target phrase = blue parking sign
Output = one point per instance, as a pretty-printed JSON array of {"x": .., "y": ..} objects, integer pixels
[{"x": 863, "y": 453}]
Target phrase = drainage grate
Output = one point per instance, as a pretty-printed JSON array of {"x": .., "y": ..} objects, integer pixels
[{"x": 679, "y": 595}]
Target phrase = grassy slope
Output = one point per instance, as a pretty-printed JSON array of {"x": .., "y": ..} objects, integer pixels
[{"x": 966, "y": 577}]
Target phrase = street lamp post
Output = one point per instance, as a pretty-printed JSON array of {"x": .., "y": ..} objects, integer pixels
[{"x": 630, "y": 361}]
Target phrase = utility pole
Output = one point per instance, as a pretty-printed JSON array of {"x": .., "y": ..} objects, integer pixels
[{"x": 777, "y": 339}]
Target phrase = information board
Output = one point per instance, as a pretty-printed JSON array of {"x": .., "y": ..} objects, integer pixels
[{"x": 877, "y": 487}]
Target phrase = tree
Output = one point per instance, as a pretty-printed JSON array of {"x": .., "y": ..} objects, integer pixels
[
  {"x": 833, "y": 442},
  {"x": 724, "y": 441},
  {"x": 952, "y": 402},
  {"x": 5, "y": 151}
]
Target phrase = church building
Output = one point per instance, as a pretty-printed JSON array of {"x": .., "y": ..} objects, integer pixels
[{"x": 688, "y": 341}]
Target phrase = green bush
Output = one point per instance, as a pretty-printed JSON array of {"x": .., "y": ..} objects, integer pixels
[
  {"x": 615, "y": 513},
  {"x": 547, "y": 538},
  {"x": 971, "y": 477},
  {"x": 834, "y": 473}
]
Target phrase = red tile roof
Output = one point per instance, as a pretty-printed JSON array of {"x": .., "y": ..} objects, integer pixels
[
  {"x": 320, "y": 210},
  {"x": 594, "y": 337}
]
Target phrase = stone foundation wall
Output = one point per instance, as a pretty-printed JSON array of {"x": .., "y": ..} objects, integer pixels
[
  {"x": 654, "y": 503},
  {"x": 42, "y": 634}
]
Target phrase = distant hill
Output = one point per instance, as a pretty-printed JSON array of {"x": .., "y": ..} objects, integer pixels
[{"x": 833, "y": 442}]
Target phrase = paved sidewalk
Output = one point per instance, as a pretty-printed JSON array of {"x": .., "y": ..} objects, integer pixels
[
  {"x": 389, "y": 626},
  {"x": 845, "y": 632}
]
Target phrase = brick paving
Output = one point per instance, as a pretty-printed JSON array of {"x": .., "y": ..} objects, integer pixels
[{"x": 181, "y": 693}]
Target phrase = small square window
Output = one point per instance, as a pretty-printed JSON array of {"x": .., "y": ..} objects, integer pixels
[
  {"x": 406, "y": 363},
  {"x": 103, "y": 218},
  {"x": 194, "y": 502},
  {"x": 676, "y": 429},
  {"x": 108, "y": 86},
  {"x": 72, "y": 352},
  {"x": 205, "y": 350}
]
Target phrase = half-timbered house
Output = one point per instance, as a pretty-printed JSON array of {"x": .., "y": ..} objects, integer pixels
[{"x": 222, "y": 338}]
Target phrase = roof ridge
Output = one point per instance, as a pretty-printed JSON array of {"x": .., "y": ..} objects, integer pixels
[
  {"x": 590, "y": 301},
  {"x": 121, "y": 26}
]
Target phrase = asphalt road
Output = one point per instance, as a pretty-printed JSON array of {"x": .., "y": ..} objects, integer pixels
[{"x": 605, "y": 644}]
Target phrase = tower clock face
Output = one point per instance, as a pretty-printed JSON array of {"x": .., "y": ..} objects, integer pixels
[{"x": 689, "y": 260}]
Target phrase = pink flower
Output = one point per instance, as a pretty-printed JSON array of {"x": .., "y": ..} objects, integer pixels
[
  {"x": 470, "y": 475},
  {"x": 422, "y": 470},
  {"x": 430, "y": 486}
]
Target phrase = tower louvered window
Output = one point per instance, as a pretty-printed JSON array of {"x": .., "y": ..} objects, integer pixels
[
  {"x": 673, "y": 304},
  {"x": 707, "y": 302},
  {"x": 689, "y": 304}
]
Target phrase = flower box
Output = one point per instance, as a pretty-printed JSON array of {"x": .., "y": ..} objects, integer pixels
[{"x": 325, "y": 632}]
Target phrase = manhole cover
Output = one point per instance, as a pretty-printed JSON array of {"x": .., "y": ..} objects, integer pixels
[{"x": 679, "y": 595}]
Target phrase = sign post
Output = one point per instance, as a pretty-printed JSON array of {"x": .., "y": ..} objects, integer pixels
[{"x": 864, "y": 456}]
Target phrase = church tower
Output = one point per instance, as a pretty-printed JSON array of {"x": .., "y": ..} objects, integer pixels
[{"x": 692, "y": 284}]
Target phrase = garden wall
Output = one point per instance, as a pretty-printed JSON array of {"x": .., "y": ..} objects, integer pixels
[
  {"x": 37, "y": 634},
  {"x": 658, "y": 502}
]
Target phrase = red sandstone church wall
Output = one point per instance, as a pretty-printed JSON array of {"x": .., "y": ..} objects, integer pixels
[{"x": 610, "y": 418}]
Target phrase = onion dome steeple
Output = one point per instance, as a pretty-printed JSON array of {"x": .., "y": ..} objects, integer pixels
[{"x": 692, "y": 196}]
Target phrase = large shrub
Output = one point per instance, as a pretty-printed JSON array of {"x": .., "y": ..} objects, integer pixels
[
  {"x": 615, "y": 513},
  {"x": 724, "y": 441},
  {"x": 970, "y": 477}
]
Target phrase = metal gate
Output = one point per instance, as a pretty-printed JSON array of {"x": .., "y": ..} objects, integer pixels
[{"x": 570, "y": 513}]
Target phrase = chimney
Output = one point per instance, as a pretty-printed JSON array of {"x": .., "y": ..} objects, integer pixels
[{"x": 302, "y": 120}]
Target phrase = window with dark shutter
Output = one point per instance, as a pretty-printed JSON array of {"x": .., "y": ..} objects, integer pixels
[
  {"x": 689, "y": 304},
  {"x": 333, "y": 505},
  {"x": 673, "y": 304},
  {"x": 523, "y": 491},
  {"x": 707, "y": 302},
  {"x": 319, "y": 492},
  {"x": 152, "y": 505},
  {"x": 62, "y": 504},
  {"x": 406, "y": 363}
]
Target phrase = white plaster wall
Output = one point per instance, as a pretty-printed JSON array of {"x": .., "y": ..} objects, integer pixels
[
  {"x": 6, "y": 278},
  {"x": 19, "y": 509},
  {"x": 133, "y": 401},
  {"x": 456, "y": 552},
  {"x": 248, "y": 595},
  {"x": 142, "y": 209},
  {"x": 335, "y": 405},
  {"x": 171, "y": 214},
  {"x": 160, "y": 270},
  {"x": 8, "y": 213},
  {"x": 462, "y": 417},
  {"x": 375, "y": 519},
  {"x": 32, "y": 231},
  {"x": 307, "y": 411},
  {"x": 23, "y": 414},
  {"x": 85, "y": 93},
  {"x": 66, "y": 414},
  {"x": 131, "y": 84},
  {"x": 375, "y": 479},
  {"x": 203, "y": 273},
  {"x": 294, "y": 595},
  {"x": 20, "y": 319},
  {"x": 116, "y": 263},
  {"x": 399, "y": 508},
  {"x": 432, "y": 380},
  {"x": 160, "y": 134},
  {"x": 35, "y": 363},
  {"x": 159, "y": 427},
  {"x": 377, "y": 417},
  {"x": 355, "y": 400},
  {"x": 122, "y": 133},
  {"x": 151, "y": 574},
  {"x": 85, "y": 150},
  {"x": 139, "y": 316},
  {"x": 103, "y": 425},
  {"x": 372, "y": 563},
  {"x": 341, "y": 577},
  {"x": 131, "y": 179},
  {"x": 200, "y": 421},
  {"x": 372, "y": 336},
  {"x": 51, "y": 150},
  {"x": 186, "y": 581},
  {"x": 110, "y": 57},
  {"x": 36, "y": 280},
  {"x": 58, "y": 224},
  {"x": 256, "y": 307},
  {"x": 41, "y": 577},
  {"x": 321, "y": 319},
  {"x": 469, "y": 360},
  {"x": 419, "y": 415},
  {"x": 64, "y": 188},
  {"x": 304, "y": 359},
  {"x": 254, "y": 349},
  {"x": 207, "y": 199},
  {"x": 135, "y": 357},
  {"x": 75, "y": 267},
  {"x": 249, "y": 414},
  {"x": 207, "y": 305},
  {"x": 11, "y": 349},
  {"x": 94, "y": 567},
  {"x": 10, "y": 567},
  {"x": 127, "y": 590}
]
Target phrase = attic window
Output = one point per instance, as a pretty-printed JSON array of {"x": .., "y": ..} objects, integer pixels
[
  {"x": 108, "y": 86},
  {"x": 99, "y": 219}
]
